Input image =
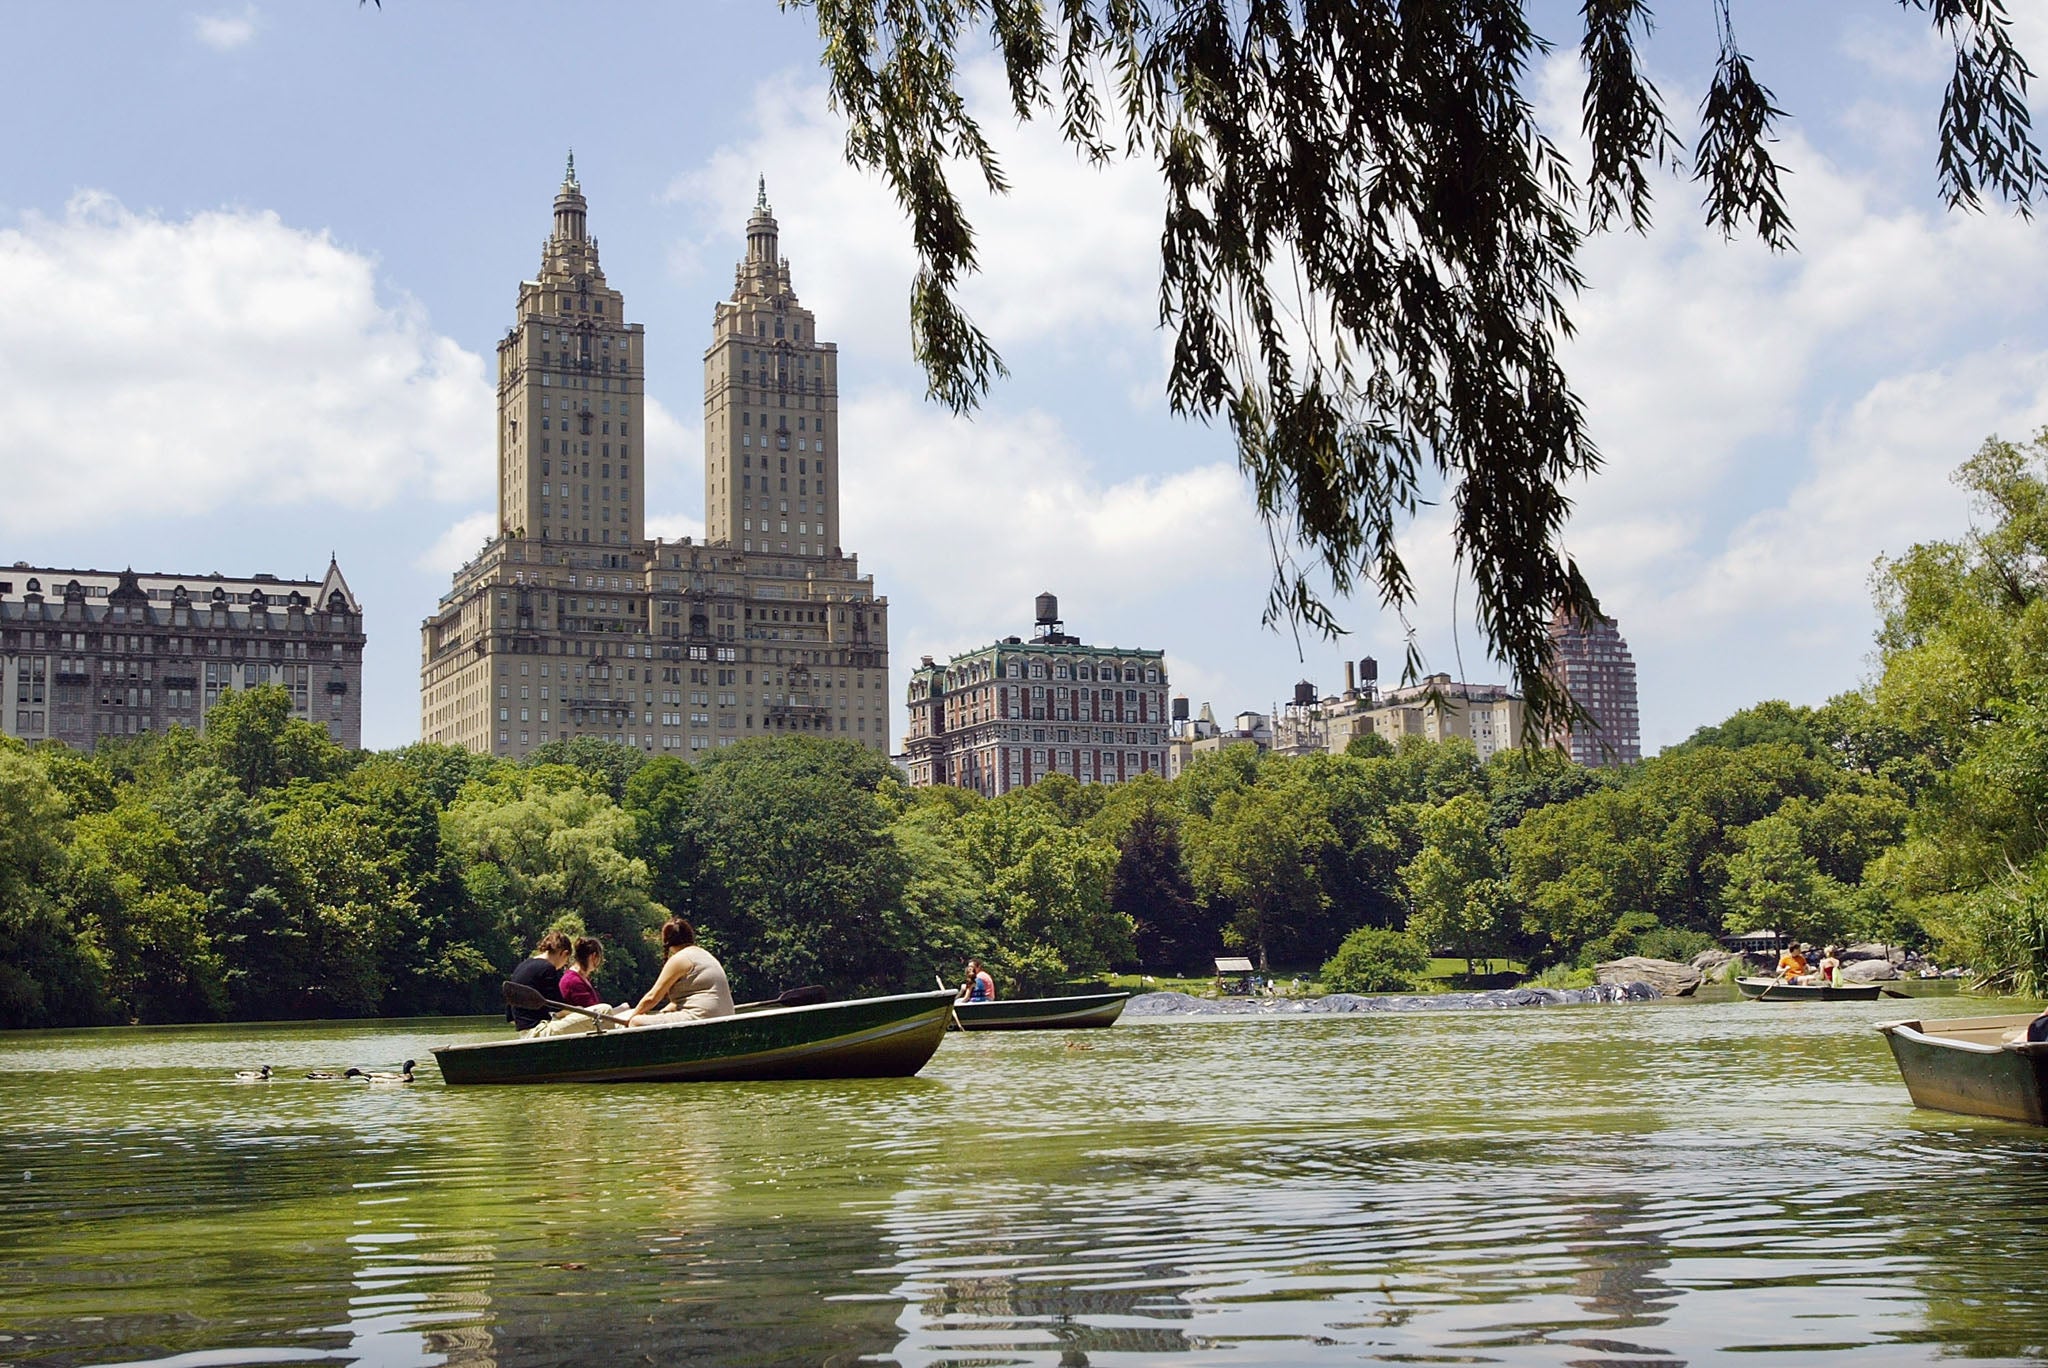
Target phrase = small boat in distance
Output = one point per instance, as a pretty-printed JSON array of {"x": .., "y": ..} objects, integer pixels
[
  {"x": 1041, "y": 1014},
  {"x": 1973, "y": 1065},
  {"x": 1778, "y": 990},
  {"x": 884, "y": 1037}
]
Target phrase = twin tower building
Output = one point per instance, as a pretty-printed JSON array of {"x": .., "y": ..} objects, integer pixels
[{"x": 572, "y": 621}]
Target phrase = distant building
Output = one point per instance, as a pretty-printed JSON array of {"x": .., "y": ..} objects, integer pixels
[
  {"x": 571, "y": 622},
  {"x": 1202, "y": 736},
  {"x": 86, "y": 654},
  {"x": 1593, "y": 665},
  {"x": 1490, "y": 716},
  {"x": 1007, "y": 715}
]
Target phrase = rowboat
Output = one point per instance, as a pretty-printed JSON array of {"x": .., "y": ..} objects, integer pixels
[
  {"x": 1777, "y": 990},
  {"x": 1969, "y": 1065},
  {"x": 1042, "y": 1014},
  {"x": 882, "y": 1037}
]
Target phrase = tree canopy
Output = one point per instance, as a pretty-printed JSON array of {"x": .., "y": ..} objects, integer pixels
[{"x": 1370, "y": 242}]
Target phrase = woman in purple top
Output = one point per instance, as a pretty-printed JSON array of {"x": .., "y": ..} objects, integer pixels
[{"x": 576, "y": 985}]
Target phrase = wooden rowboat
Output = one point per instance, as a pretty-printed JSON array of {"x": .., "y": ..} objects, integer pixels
[
  {"x": 1041, "y": 1014},
  {"x": 1777, "y": 990},
  {"x": 884, "y": 1037},
  {"x": 1968, "y": 1065}
]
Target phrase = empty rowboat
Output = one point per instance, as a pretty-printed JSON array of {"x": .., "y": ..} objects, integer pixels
[{"x": 1979, "y": 1066}]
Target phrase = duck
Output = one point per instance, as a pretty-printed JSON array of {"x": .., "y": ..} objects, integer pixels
[
  {"x": 327, "y": 1076},
  {"x": 404, "y": 1075},
  {"x": 261, "y": 1075}
]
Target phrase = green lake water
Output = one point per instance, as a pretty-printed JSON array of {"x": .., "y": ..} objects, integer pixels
[{"x": 1665, "y": 1184}]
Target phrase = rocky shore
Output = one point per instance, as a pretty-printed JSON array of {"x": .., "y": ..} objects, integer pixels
[{"x": 1181, "y": 1004}]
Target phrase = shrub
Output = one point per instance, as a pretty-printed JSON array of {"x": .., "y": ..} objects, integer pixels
[
  {"x": 1372, "y": 960},
  {"x": 1673, "y": 943},
  {"x": 1562, "y": 976}
]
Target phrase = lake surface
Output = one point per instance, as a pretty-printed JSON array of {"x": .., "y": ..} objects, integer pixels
[{"x": 1665, "y": 1184}]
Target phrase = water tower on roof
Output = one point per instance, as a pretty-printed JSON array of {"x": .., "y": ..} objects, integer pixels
[{"x": 1051, "y": 631}]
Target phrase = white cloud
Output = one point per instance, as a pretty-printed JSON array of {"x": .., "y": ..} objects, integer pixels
[
  {"x": 227, "y": 359},
  {"x": 454, "y": 548},
  {"x": 982, "y": 515},
  {"x": 225, "y": 32},
  {"x": 1071, "y": 251}
]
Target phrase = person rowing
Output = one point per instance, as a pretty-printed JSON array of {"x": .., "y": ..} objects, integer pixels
[
  {"x": 979, "y": 986},
  {"x": 691, "y": 982},
  {"x": 1792, "y": 963},
  {"x": 542, "y": 972}
]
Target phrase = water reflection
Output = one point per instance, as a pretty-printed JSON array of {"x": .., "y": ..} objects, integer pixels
[{"x": 1683, "y": 1185}]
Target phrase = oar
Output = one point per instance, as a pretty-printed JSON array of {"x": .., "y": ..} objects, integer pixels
[
  {"x": 533, "y": 1000},
  {"x": 1893, "y": 992},
  {"x": 806, "y": 996},
  {"x": 950, "y": 1012}
]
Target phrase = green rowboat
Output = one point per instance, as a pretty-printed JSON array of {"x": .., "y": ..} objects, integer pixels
[
  {"x": 1777, "y": 990},
  {"x": 1968, "y": 1065},
  {"x": 1041, "y": 1014},
  {"x": 885, "y": 1037}
]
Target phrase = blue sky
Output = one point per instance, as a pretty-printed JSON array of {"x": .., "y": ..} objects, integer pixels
[{"x": 254, "y": 259}]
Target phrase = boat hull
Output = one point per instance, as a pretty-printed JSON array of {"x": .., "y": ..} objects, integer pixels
[
  {"x": 1042, "y": 1014},
  {"x": 1963, "y": 1065},
  {"x": 887, "y": 1037},
  {"x": 1807, "y": 992}
]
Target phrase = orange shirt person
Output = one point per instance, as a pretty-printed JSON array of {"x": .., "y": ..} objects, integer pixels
[{"x": 1792, "y": 963}]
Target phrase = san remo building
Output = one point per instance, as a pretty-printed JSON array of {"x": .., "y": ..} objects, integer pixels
[{"x": 572, "y": 622}]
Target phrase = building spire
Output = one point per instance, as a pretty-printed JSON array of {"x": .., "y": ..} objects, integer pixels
[
  {"x": 761, "y": 196},
  {"x": 569, "y": 176}
]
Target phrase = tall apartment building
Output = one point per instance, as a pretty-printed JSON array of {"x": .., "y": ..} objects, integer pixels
[
  {"x": 86, "y": 654},
  {"x": 1007, "y": 715},
  {"x": 571, "y": 622},
  {"x": 1592, "y": 662}
]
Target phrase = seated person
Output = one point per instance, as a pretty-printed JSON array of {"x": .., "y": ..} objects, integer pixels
[
  {"x": 2037, "y": 1029},
  {"x": 979, "y": 986},
  {"x": 542, "y": 972},
  {"x": 1829, "y": 971},
  {"x": 1792, "y": 963},
  {"x": 692, "y": 981},
  {"x": 578, "y": 991}
]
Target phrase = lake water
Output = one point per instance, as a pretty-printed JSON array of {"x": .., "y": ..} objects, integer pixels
[{"x": 1666, "y": 1184}]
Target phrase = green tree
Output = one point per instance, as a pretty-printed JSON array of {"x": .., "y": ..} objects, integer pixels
[
  {"x": 1257, "y": 855},
  {"x": 1151, "y": 887},
  {"x": 1455, "y": 884},
  {"x": 48, "y": 978},
  {"x": 609, "y": 764},
  {"x": 254, "y": 737},
  {"x": 127, "y": 893},
  {"x": 1375, "y": 960},
  {"x": 1773, "y": 884},
  {"x": 1047, "y": 890}
]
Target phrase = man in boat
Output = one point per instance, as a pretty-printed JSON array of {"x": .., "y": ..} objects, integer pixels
[
  {"x": 979, "y": 986},
  {"x": 1792, "y": 963},
  {"x": 542, "y": 972}
]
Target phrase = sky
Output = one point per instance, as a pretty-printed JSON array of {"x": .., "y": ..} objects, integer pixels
[{"x": 254, "y": 258}]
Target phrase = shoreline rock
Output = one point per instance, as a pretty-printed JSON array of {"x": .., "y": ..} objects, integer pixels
[
  {"x": 1669, "y": 977},
  {"x": 1181, "y": 1004}
]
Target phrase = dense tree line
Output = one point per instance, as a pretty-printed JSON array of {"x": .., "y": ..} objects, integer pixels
[{"x": 257, "y": 871}]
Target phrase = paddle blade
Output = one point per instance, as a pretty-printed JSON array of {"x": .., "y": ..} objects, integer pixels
[
  {"x": 522, "y": 996},
  {"x": 807, "y": 996}
]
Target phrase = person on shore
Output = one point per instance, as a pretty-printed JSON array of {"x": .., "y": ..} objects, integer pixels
[
  {"x": 691, "y": 982},
  {"x": 542, "y": 972},
  {"x": 979, "y": 986}
]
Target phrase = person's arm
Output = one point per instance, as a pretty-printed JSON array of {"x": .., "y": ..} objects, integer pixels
[{"x": 658, "y": 994}]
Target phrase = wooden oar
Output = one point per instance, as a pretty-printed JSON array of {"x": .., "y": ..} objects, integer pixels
[
  {"x": 807, "y": 996},
  {"x": 1893, "y": 992},
  {"x": 952, "y": 1014},
  {"x": 533, "y": 1000}
]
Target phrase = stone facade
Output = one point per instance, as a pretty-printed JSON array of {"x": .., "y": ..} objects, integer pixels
[
  {"x": 87, "y": 654},
  {"x": 1007, "y": 715},
  {"x": 591, "y": 629},
  {"x": 1594, "y": 666}
]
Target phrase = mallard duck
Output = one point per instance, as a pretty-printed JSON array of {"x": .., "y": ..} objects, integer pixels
[
  {"x": 404, "y": 1075},
  {"x": 326, "y": 1076},
  {"x": 261, "y": 1075}
]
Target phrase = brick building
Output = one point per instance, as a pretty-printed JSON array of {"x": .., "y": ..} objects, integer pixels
[
  {"x": 1593, "y": 664},
  {"x": 1007, "y": 715},
  {"x": 86, "y": 654},
  {"x": 571, "y": 622}
]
